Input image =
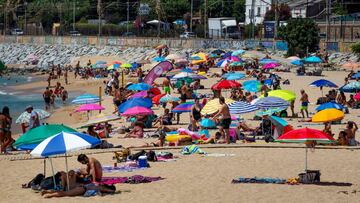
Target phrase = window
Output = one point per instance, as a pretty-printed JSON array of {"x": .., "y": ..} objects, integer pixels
[
  {"x": 267, "y": 9},
  {"x": 250, "y": 13},
  {"x": 258, "y": 11}
]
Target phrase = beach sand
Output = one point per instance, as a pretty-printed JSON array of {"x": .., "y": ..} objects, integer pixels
[{"x": 196, "y": 178}]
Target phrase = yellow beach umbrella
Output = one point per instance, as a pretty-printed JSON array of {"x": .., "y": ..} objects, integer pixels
[
  {"x": 202, "y": 56},
  {"x": 286, "y": 95},
  {"x": 251, "y": 56},
  {"x": 328, "y": 115},
  {"x": 213, "y": 106},
  {"x": 126, "y": 65}
]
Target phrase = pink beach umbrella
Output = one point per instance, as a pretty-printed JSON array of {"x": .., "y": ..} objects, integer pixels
[
  {"x": 139, "y": 94},
  {"x": 137, "y": 110},
  {"x": 357, "y": 96},
  {"x": 270, "y": 65},
  {"x": 89, "y": 107}
]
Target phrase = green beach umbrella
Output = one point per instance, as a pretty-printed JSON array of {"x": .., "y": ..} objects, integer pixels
[{"x": 39, "y": 134}]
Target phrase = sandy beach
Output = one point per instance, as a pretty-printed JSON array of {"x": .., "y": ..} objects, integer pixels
[{"x": 200, "y": 178}]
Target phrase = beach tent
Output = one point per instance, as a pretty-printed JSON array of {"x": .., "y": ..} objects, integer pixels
[{"x": 33, "y": 137}]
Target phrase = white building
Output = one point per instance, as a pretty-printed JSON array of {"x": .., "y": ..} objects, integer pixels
[{"x": 259, "y": 8}]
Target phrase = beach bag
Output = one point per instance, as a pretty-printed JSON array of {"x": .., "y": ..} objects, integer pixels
[
  {"x": 151, "y": 156},
  {"x": 35, "y": 181},
  {"x": 135, "y": 157},
  {"x": 311, "y": 176}
]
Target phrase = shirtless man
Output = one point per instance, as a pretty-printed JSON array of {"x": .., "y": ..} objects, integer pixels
[
  {"x": 225, "y": 120},
  {"x": 183, "y": 91},
  {"x": 350, "y": 130},
  {"x": 167, "y": 85},
  {"x": 47, "y": 98},
  {"x": 93, "y": 169},
  {"x": 304, "y": 103}
]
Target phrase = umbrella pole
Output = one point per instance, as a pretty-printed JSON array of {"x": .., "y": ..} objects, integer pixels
[
  {"x": 52, "y": 169},
  {"x": 45, "y": 167},
  {"x": 306, "y": 158},
  {"x": 67, "y": 173}
]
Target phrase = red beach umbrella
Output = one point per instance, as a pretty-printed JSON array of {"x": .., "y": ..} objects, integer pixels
[
  {"x": 156, "y": 99},
  {"x": 225, "y": 84},
  {"x": 155, "y": 91}
]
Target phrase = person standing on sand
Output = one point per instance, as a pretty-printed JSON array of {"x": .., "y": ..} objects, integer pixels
[
  {"x": 167, "y": 85},
  {"x": 49, "y": 80},
  {"x": 66, "y": 75},
  {"x": 304, "y": 103},
  {"x": 225, "y": 120},
  {"x": 64, "y": 95},
  {"x": 47, "y": 98},
  {"x": 93, "y": 167},
  {"x": 34, "y": 117},
  {"x": 5, "y": 129},
  {"x": 350, "y": 130}
]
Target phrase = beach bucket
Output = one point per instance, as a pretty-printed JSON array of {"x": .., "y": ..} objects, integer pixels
[{"x": 142, "y": 162}]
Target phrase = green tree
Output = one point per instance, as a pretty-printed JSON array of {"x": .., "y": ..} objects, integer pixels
[
  {"x": 355, "y": 48},
  {"x": 283, "y": 12},
  {"x": 239, "y": 10},
  {"x": 301, "y": 35}
]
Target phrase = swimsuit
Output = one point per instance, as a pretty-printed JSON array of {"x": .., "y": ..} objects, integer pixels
[
  {"x": 304, "y": 105},
  {"x": 225, "y": 123},
  {"x": 196, "y": 114},
  {"x": 167, "y": 90}
]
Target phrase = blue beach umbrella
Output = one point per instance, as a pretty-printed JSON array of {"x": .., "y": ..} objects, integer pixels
[
  {"x": 183, "y": 107},
  {"x": 227, "y": 54},
  {"x": 351, "y": 87},
  {"x": 218, "y": 64},
  {"x": 252, "y": 86},
  {"x": 207, "y": 123},
  {"x": 297, "y": 63},
  {"x": 233, "y": 76},
  {"x": 271, "y": 102},
  {"x": 356, "y": 75},
  {"x": 187, "y": 70},
  {"x": 241, "y": 107},
  {"x": 144, "y": 102},
  {"x": 169, "y": 98},
  {"x": 158, "y": 59},
  {"x": 329, "y": 105},
  {"x": 86, "y": 99},
  {"x": 139, "y": 87},
  {"x": 323, "y": 83},
  {"x": 313, "y": 59},
  {"x": 195, "y": 58},
  {"x": 265, "y": 61},
  {"x": 238, "y": 52}
]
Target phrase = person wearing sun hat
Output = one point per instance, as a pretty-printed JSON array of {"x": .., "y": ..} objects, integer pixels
[{"x": 34, "y": 117}]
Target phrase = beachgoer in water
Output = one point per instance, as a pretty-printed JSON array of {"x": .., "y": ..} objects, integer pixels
[
  {"x": 304, "y": 103},
  {"x": 93, "y": 168},
  {"x": 350, "y": 130},
  {"x": 47, "y": 98},
  {"x": 225, "y": 120}
]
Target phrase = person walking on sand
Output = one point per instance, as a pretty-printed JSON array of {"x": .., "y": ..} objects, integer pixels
[
  {"x": 167, "y": 85},
  {"x": 47, "y": 98},
  {"x": 5, "y": 129},
  {"x": 66, "y": 75},
  {"x": 304, "y": 103},
  {"x": 93, "y": 167},
  {"x": 225, "y": 120}
]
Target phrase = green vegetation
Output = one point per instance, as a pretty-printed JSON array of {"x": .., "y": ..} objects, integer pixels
[
  {"x": 283, "y": 10},
  {"x": 301, "y": 35},
  {"x": 356, "y": 48}
]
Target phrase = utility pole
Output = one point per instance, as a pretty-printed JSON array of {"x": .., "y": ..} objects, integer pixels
[
  {"x": 205, "y": 19},
  {"x": 74, "y": 7},
  {"x": 99, "y": 14},
  {"x": 252, "y": 13},
  {"x": 127, "y": 16},
  {"x": 4, "y": 7},
  {"x": 276, "y": 6},
  {"x": 191, "y": 15},
  {"x": 25, "y": 26},
  {"x": 327, "y": 20},
  {"x": 222, "y": 8},
  {"x": 158, "y": 2}
]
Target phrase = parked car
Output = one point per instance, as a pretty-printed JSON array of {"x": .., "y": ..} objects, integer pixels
[
  {"x": 17, "y": 31},
  {"x": 74, "y": 33},
  {"x": 128, "y": 34},
  {"x": 187, "y": 35}
]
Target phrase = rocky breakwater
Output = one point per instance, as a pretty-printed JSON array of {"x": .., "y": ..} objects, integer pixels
[{"x": 65, "y": 54}]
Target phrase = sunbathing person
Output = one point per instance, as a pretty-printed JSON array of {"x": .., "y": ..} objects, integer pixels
[
  {"x": 165, "y": 119},
  {"x": 137, "y": 131},
  {"x": 93, "y": 168},
  {"x": 79, "y": 191}
]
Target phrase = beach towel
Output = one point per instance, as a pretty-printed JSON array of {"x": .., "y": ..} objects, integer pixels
[
  {"x": 191, "y": 149},
  {"x": 136, "y": 179},
  {"x": 259, "y": 180},
  {"x": 111, "y": 169}
]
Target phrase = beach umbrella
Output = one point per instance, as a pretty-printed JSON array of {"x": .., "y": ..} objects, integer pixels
[
  {"x": 188, "y": 75},
  {"x": 94, "y": 66},
  {"x": 63, "y": 143},
  {"x": 169, "y": 98},
  {"x": 113, "y": 66},
  {"x": 351, "y": 87},
  {"x": 158, "y": 59},
  {"x": 271, "y": 102},
  {"x": 293, "y": 58},
  {"x": 226, "y": 55},
  {"x": 329, "y": 105},
  {"x": 297, "y": 63},
  {"x": 266, "y": 61},
  {"x": 226, "y": 84},
  {"x": 234, "y": 76},
  {"x": 328, "y": 115},
  {"x": 241, "y": 107},
  {"x": 89, "y": 107},
  {"x": 140, "y": 94},
  {"x": 101, "y": 62},
  {"x": 181, "y": 61},
  {"x": 223, "y": 63},
  {"x": 161, "y": 46},
  {"x": 218, "y": 51},
  {"x": 156, "y": 99},
  {"x": 173, "y": 57},
  {"x": 86, "y": 99},
  {"x": 238, "y": 52},
  {"x": 305, "y": 135},
  {"x": 356, "y": 75},
  {"x": 351, "y": 65},
  {"x": 207, "y": 123},
  {"x": 269, "y": 112},
  {"x": 234, "y": 59},
  {"x": 286, "y": 95},
  {"x": 195, "y": 57},
  {"x": 126, "y": 65},
  {"x": 139, "y": 87},
  {"x": 235, "y": 64},
  {"x": 252, "y": 86},
  {"x": 33, "y": 137},
  {"x": 25, "y": 116},
  {"x": 145, "y": 102},
  {"x": 313, "y": 59},
  {"x": 357, "y": 96},
  {"x": 155, "y": 91},
  {"x": 200, "y": 58},
  {"x": 187, "y": 70},
  {"x": 183, "y": 107},
  {"x": 137, "y": 110},
  {"x": 270, "y": 65},
  {"x": 213, "y": 106},
  {"x": 213, "y": 56},
  {"x": 101, "y": 118},
  {"x": 323, "y": 83}
]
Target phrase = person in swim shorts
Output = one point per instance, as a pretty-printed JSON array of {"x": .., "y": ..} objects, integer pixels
[{"x": 225, "y": 120}]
